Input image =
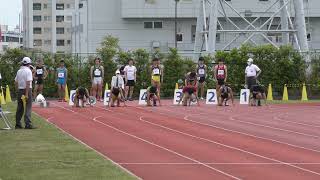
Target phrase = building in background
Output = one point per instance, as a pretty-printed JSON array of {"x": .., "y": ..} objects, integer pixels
[
  {"x": 10, "y": 39},
  {"x": 47, "y": 25},
  {"x": 149, "y": 24}
]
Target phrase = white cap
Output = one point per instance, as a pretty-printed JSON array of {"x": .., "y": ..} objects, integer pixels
[
  {"x": 117, "y": 72},
  {"x": 250, "y": 60},
  {"x": 26, "y": 60}
]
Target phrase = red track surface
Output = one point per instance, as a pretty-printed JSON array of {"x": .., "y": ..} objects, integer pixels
[{"x": 206, "y": 142}]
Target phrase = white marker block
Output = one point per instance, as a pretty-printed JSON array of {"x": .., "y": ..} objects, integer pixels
[
  {"x": 106, "y": 98},
  {"x": 72, "y": 95},
  {"x": 244, "y": 96},
  {"x": 143, "y": 97},
  {"x": 178, "y": 95},
  {"x": 212, "y": 97}
]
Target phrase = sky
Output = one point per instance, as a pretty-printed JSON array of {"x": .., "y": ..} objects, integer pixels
[{"x": 9, "y": 12}]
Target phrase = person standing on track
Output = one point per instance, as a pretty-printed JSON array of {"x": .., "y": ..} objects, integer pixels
[
  {"x": 202, "y": 73},
  {"x": 62, "y": 75},
  {"x": 23, "y": 82},
  {"x": 252, "y": 72},
  {"x": 97, "y": 74},
  {"x": 39, "y": 75},
  {"x": 220, "y": 73},
  {"x": 156, "y": 73},
  {"x": 131, "y": 77}
]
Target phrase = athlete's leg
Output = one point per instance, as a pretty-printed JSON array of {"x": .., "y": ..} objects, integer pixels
[
  {"x": 63, "y": 92},
  {"x": 94, "y": 88},
  {"x": 99, "y": 86},
  {"x": 35, "y": 91},
  {"x": 131, "y": 91}
]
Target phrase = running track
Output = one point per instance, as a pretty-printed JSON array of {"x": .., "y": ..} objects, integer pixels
[{"x": 206, "y": 142}]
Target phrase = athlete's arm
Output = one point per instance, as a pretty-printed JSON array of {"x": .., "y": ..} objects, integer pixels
[
  {"x": 91, "y": 73},
  {"x": 259, "y": 72},
  {"x": 45, "y": 73},
  {"x": 102, "y": 72},
  {"x": 135, "y": 74},
  {"x": 34, "y": 74},
  {"x": 226, "y": 73},
  {"x": 162, "y": 73},
  {"x": 215, "y": 72},
  {"x": 66, "y": 76}
]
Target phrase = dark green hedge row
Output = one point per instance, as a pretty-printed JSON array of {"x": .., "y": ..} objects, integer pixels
[{"x": 279, "y": 67}]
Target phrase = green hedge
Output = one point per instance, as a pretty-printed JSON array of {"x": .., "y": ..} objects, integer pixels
[{"x": 279, "y": 66}]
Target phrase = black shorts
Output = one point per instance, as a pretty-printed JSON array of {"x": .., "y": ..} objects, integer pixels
[
  {"x": 39, "y": 81},
  {"x": 130, "y": 83},
  {"x": 115, "y": 91},
  {"x": 251, "y": 81},
  {"x": 202, "y": 79},
  {"x": 224, "y": 95},
  {"x": 220, "y": 82}
]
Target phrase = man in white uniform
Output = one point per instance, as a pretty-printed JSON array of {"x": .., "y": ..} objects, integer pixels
[
  {"x": 252, "y": 72},
  {"x": 130, "y": 76},
  {"x": 23, "y": 81}
]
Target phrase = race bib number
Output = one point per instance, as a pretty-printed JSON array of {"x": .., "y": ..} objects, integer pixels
[
  {"x": 220, "y": 72},
  {"x": 156, "y": 71},
  {"x": 244, "y": 96},
  {"x": 39, "y": 71},
  {"x": 72, "y": 96},
  {"x": 60, "y": 75},
  {"x": 143, "y": 97},
  {"x": 106, "y": 99},
  {"x": 97, "y": 72},
  {"x": 201, "y": 71},
  {"x": 212, "y": 98}
]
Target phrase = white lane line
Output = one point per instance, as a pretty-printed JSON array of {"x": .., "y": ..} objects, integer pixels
[
  {"x": 278, "y": 118},
  {"x": 233, "y": 118},
  {"x": 227, "y": 146},
  {"x": 156, "y": 145},
  {"x": 186, "y": 118},
  {"x": 86, "y": 145}
]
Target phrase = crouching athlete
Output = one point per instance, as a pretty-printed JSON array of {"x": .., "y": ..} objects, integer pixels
[
  {"x": 225, "y": 95},
  {"x": 258, "y": 94},
  {"x": 82, "y": 94},
  {"x": 117, "y": 87},
  {"x": 190, "y": 89},
  {"x": 153, "y": 95}
]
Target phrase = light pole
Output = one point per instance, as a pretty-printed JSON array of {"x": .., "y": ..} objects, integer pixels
[{"x": 176, "y": 23}]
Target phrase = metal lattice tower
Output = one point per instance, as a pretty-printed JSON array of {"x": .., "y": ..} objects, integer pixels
[{"x": 208, "y": 21}]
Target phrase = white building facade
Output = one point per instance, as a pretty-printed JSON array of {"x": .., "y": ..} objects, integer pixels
[
  {"x": 10, "y": 39},
  {"x": 47, "y": 25},
  {"x": 149, "y": 24}
]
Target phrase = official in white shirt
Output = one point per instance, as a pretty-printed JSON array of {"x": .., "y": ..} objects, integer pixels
[
  {"x": 23, "y": 81},
  {"x": 130, "y": 76},
  {"x": 252, "y": 72}
]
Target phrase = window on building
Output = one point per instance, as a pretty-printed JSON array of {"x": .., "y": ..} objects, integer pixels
[
  {"x": 60, "y": 30},
  {"x": 47, "y": 30},
  {"x": 59, "y": 18},
  {"x": 37, "y": 6},
  {"x": 47, "y": 18},
  {"x": 37, "y": 42},
  {"x": 47, "y": 42},
  {"x": 179, "y": 37},
  {"x": 193, "y": 33},
  {"x": 37, "y": 18},
  {"x": 157, "y": 25},
  {"x": 309, "y": 36},
  {"x": 148, "y": 25},
  {"x": 80, "y": 5},
  {"x": 263, "y": 0},
  {"x": 45, "y": 6},
  {"x": 60, "y": 42},
  {"x": 37, "y": 30},
  {"x": 69, "y": 18},
  {"x": 60, "y": 6},
  {"x": 69, "y": 42},
  {"x": 150, "y": 1}
]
